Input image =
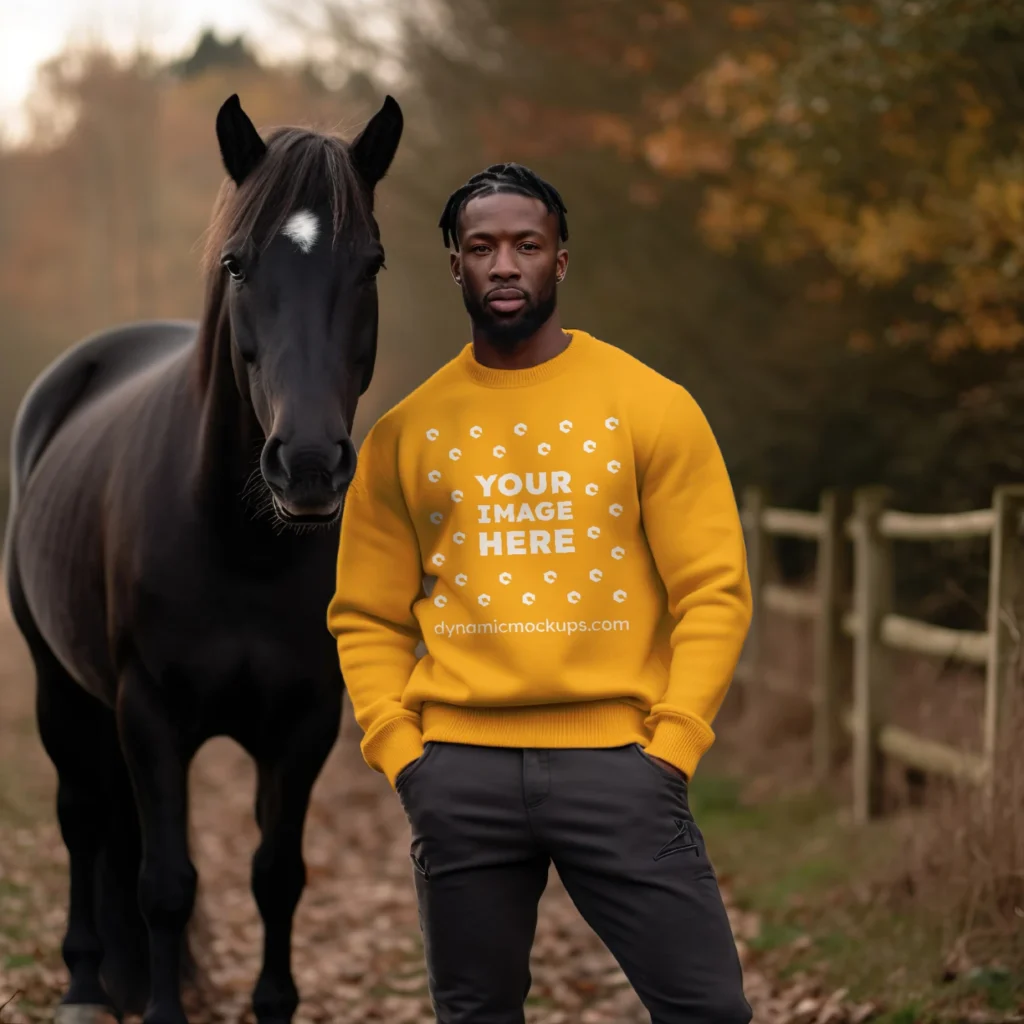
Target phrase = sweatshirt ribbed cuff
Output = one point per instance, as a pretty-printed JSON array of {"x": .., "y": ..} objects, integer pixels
[
  {"x": 681, "y": 741},
  {"x": 394, "y": 745}
]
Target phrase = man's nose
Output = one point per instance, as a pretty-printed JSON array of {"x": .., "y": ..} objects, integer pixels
[{"x": 505, "y": 265}]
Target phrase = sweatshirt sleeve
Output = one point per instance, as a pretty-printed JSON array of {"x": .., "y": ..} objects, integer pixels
[
  {"x": 379, "y": 578},
  {"x": 695, "y": 535}
]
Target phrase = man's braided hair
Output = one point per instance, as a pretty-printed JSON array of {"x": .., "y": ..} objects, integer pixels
[{"x": 501, "y": 178}]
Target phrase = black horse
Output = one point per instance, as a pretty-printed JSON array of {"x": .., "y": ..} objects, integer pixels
[{"x": 171, "y": 552}]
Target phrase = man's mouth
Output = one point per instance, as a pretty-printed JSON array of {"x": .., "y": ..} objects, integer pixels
[{"x": 506, "y": 301}]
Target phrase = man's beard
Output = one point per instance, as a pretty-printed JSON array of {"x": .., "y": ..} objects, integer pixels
[{"x": 507, "y": 332}]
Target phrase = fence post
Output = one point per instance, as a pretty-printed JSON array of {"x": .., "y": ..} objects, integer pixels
[
  {"x": 754, "y": 504},
  {"x": 1005, "y": 620},
  {"x": 831, "y": 646},
  {"x": 873, "y": 586}
]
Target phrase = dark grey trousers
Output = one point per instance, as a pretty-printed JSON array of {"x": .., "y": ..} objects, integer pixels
[{"x": 486, "y": 824}]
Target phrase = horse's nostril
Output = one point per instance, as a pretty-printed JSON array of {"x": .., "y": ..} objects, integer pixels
[
  {"x": 345, "y": 463},
  {"x": 272, "y": 464}
]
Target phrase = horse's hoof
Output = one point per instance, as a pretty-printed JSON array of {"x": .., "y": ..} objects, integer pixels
[{"x": 83, "y": 1013}]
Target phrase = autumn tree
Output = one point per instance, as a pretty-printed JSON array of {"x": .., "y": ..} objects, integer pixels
[{"x": 889, "y": 140}]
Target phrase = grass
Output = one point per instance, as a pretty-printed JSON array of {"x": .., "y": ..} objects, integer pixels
[{"x": 819, "y": 886}]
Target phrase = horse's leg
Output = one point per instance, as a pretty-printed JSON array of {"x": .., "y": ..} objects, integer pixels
[
  {"x": 286, "y": 780},
  {"x": 158, "y": 759},
  {"x": 80, "y": 737}
]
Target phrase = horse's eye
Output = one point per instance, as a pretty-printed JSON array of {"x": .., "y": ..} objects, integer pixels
[
  {"x": 375, "y": 268},
  {"x": 233, "y": 267}
]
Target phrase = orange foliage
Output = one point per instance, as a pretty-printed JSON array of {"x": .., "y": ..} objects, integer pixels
[
  {"x": 638, "y": 58},
  {"x": 960, "y": 224},
  {"x": 745, "y": 17},
  {"x": 677, "y": 153}
]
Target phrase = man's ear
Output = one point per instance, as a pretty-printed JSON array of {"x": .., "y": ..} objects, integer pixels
[
  {"x": 456, "y": 267},
  {"x": 241, "y": 147}
]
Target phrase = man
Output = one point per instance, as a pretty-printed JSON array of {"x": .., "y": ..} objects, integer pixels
[{"x": 555, "y": 522}]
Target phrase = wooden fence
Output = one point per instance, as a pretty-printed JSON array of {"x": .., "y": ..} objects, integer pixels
[{"x": 855, "y": 627}]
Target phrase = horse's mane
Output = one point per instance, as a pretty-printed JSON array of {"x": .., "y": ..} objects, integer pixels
[{"x": 300, "y": 169}]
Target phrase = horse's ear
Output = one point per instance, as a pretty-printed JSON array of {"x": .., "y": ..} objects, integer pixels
[
  {"x": 374, "y": 148},
  {"x": 241, "y": 147}
]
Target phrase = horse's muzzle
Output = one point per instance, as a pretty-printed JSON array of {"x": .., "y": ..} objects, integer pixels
[
  {"x": 308, "y": 484},
  {"x": 311, "y": 499}
]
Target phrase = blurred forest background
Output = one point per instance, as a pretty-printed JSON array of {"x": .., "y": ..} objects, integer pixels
[{"x": 810, "y": 214}]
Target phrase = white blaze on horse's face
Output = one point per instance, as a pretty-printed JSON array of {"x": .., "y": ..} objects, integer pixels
[{"x": 303, "y": 229}]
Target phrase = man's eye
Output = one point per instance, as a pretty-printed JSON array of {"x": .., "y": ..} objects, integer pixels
[{"x": 529, "y": 246}]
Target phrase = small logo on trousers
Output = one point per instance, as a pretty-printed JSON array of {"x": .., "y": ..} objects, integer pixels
[{"x": 680, "y": 842}]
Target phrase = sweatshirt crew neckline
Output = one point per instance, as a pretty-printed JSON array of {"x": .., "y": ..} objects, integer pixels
[{"x": 573, "y": 355}]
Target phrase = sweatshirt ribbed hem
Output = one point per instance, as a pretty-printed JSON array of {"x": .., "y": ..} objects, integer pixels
[
  {"x": 586, "y": 724},
  {"x": 394, "y": 745},
  {"x": 681, "y": 740}
]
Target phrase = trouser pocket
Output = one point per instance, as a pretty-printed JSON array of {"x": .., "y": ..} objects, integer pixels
[{"x": 413, "y": 767}]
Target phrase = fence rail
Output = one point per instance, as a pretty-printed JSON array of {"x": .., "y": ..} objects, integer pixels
[
  {"x": 852, "y": 602},
  {"x": 955, "y": 526}
]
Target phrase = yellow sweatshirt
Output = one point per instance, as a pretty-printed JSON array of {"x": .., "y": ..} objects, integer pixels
[{"x": 565, "y": 541}]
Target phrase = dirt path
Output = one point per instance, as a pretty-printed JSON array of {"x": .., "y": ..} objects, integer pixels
[{"x": 357, "y": 951}]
